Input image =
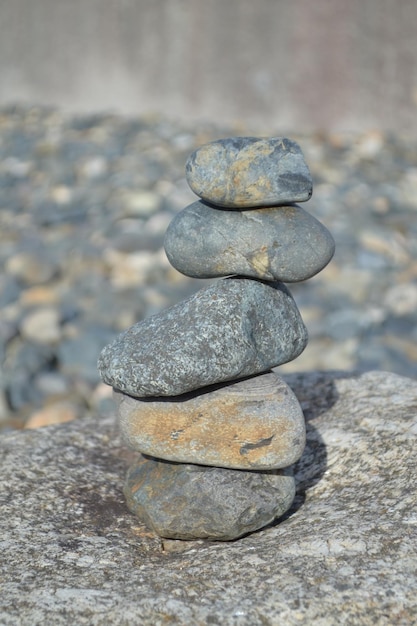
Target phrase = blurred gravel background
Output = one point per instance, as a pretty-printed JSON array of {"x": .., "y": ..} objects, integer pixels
[{"x": 84, "y": 205}]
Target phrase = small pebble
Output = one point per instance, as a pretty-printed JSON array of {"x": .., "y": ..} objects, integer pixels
[
  {"x": 53, "y": 414},
  {"x": 141, "y": 203},
  {"x": 25, "y": 360},
  {"x": 30, "y": 268},
  {"x": 42, "y": 325},
  {"x": 183, "y": 501},
  {"x": 284, "y": 243},
  {"x": 4, "y": 409},
  {"x": 39, "y": 295},
  {"x": 234, "y": 328},
  {"x": 78, "y": 354},
  {"x": 255, "y": 423},
  {"x": 9, "y": 290},
  {"x": 249, "y": 172},
  {"x": 52, "y": 384},
  {"x": 132, "y": 270},
  {"x": 401, "y": 299}
]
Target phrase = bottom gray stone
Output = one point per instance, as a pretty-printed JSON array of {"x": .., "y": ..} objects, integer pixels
[{"x": 184, "y": 501}]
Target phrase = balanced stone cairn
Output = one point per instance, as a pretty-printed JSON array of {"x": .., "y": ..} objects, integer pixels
[{"x": 217, "y": 430}]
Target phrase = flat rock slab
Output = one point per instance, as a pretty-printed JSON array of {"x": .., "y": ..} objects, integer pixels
[
  {"x": 183, "y": 501},
  {"x": 281, "y": 243},
  {"x": 234, "y": 328},
  {"x": 241, "y": 172},
  {"x": 256, "y": 423},
  {"x": 71, "y": 552}
]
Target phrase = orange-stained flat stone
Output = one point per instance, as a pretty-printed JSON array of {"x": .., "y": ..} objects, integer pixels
[{"x": 256, "y": 423}]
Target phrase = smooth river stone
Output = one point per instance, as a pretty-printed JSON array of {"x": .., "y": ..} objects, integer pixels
[
  {"x": 256, "y": 423},
  {"x": 231, "y": 329},
  {"x": 281, "y": 243},
  {"x": 183, "y": 501},
  {"x": 249, "y": 172}
]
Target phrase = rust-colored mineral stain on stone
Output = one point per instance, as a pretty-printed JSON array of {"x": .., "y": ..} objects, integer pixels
[
  {"x": 250, "y": 424},
  {"x": 283, "y": 243},
  {"x": 261, "y": 263},
  {"x": 249, "y": 172}
]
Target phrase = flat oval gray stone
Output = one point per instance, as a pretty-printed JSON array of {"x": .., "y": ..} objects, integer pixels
[
  {"x": 284, "y": 243},
  {"x": 249, "y": 172},
  {"x": 231, "y": 329},
  {"x": 182, "y": 501},
  {"x": 256, "y": 423}
]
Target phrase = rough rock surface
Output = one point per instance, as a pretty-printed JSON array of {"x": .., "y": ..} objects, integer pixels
[
  {"x": 256, "y": 423},
  {"x": 234, "y": 328},
  {"x": 243, "y": 172},
  {"x": 280, "y": 243},
  {"x": 346, "y": 552},
  {"x": 183, "y": 501}
]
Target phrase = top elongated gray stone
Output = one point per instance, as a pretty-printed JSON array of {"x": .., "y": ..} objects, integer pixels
[
  {"x": 278, "y": 243},
  {"x": 244, "y": 172},
  {"x": 234, "y": 328}
]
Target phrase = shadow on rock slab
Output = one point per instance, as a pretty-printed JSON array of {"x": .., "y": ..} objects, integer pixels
[
  {"x": 308, "y": 471},
  {"x": 312, "y": 465}
]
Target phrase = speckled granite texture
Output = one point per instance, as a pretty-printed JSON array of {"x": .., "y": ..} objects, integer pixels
[
  {"x": 345, "y": 554},
  {"x": 229, "y": 337}
]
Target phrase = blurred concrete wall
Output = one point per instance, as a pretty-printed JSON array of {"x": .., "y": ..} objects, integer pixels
[{"x": 296, "y": 64}]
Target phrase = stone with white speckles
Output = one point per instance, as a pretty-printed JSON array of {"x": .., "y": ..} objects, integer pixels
[
  {"x": 280, "y": 243},
  {"x": 234, "y": 328}
]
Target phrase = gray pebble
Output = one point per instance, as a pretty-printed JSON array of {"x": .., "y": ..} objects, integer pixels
[
  {"x": 31, "y": 268},
  {"x": 181, "y": 501},
  {"x": 9, "y": 290},
  {"x": 249, "y": 172},
  {"x": 285, "y": 243},
  {"x": 52, "y": 384},
  {"x": 42, "y": 325},
  {"x": 234, "y": 328},
  {"x": 78, "y": 355},
  {"x": 20, "y": 368}
]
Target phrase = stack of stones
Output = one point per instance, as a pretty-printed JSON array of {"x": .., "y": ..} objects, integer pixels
[{"x": 217, "y": 430}]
